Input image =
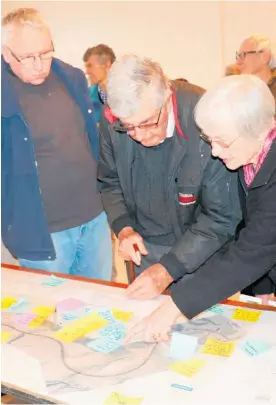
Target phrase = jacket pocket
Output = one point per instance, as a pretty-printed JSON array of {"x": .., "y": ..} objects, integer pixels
[{"x": 187, "y": 202}]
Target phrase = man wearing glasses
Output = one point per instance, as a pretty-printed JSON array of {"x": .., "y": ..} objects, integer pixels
[
  {"x": 52, "y": 215},
  {"x": 170, "y": 203},
  {"x": 256, "y": 56}
]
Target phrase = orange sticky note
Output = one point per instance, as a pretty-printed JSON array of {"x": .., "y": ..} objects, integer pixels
[
  {"x": 7, "y": 302},
  {"x": 80, "y": 327},
  {"x": 187, "y": 368},
  {"x": 218, "y": 348},
  {"x": 121, "y": 315},
  {"x": 5, "y": 336},
  {"x": 246, "y": 315}
]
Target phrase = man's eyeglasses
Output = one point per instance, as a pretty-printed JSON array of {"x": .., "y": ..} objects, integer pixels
[
  {"x": 242, "y": 55},
  {"x": 222, "y": 144},
  {"x": 29, "y": 60},
  {"x": 120, "y": 127}
]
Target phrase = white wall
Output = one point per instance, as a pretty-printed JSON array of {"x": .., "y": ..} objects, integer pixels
[{"x": 190, "y": 39}]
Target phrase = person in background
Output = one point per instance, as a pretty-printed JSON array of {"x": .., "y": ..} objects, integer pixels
[
  {"x": 97, "y": 61},
  {"x": 256, "y": 56},
  {"x": 232, "y": 70},
  {"x": 164, "y": 194},
  {"x": 236, "y": 118},
  {"x": 52, "y": 214}
]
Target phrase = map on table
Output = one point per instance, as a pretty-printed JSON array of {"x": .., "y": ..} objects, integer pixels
[{"x": 74, "y": 331}]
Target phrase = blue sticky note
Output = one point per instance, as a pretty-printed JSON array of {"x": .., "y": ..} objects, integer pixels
[
  {"x": 107, "y": 314},
  {"x": 255, "y": 347},
  {"x": 104, "y": 345},
  {"x": 182, "y": 346},
  {"x": 217, "y": 309},
  {"x": 22, "y": 302},
  {"x": 182, "y": 387},
  {"x": 115, "y": 330},
  {"x": 69, "y": 316},
  {"x": 53, "y": 281}
]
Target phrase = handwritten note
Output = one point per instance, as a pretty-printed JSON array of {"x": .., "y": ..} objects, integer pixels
[
  {"x": 246, "y": 315},
  {"x": 218, "y": 348},
  {"x": 53, "y": 281},
  {"x": 182, "y": 346},
  {"x": 70, "y": 304},
  {"x": 23, "y": 320},
  {"x": 18, "y": 305},
  {"x": 7, "y": 302},
  {"x": 217, "y": 309},
  {"x": 121, "y": 315},
  {"x": 69, "y": 317},
  {"x": 5, "y": 336},
  {"x": 182, "y": 387},
  {"x": 117, "y": 398},
  {"x": 106, "y": 314},
  {"x": 255, "y": 347},
  {"x": 116, "y": 330},
  {"x": 187, "y": 368},
  {"x": 80, "y": 327},
  {"x": 104, "y": 345},
  {"x": 42, "y": 314}
]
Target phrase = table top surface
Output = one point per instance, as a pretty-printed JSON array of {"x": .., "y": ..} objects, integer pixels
[{"x": 111, "y": 294}]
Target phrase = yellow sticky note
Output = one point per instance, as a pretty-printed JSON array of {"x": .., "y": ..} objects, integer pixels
[
  {"x": 121, "y": 315},
  {"x": 43, "y": 311},
  {"x": 7, "y": 302},
  {"x": 188, "y": 368},
  {"x": 117, "y": 398},
  {"x": 80, "y": 327},
  {"x": 246, "y": 315},
  {"x": 5, "y": 336},
  {"x": 218, "y": 348},
  {"x": 37, "y": 321}
]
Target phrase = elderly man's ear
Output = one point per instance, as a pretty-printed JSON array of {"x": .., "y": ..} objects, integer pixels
[
  {"x": 6, "y": 53},
  {"x": 266, "y": 56}
]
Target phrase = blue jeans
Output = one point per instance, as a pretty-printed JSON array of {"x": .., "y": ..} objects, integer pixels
[{"x": 84, "y": 251}]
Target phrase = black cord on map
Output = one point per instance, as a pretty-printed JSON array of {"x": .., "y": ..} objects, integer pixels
[{"x": 63, "y": 356}]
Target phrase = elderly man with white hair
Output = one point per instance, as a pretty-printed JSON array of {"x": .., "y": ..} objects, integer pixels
[
  {"x": 257, "y": 56},
  {"x": 164, "y": 194},
  {"x": 237, "y": 119}
]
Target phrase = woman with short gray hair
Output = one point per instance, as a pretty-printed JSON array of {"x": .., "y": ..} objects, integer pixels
[{"x": 236, "y": 118}]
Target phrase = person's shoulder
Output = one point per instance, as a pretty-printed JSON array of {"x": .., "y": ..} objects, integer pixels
[
  {"x": 68, "y": 69},
  {"x": 185, "y": 88}
]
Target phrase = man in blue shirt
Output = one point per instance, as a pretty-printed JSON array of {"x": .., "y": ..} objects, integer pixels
[
  {"x": 98, "y": 60},
  {"x": 52, "y": 214}
]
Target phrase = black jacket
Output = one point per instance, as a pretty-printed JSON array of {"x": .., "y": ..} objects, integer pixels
[
  {"x": 240, "y": 262},
  {"x": 200, "y": 229}
]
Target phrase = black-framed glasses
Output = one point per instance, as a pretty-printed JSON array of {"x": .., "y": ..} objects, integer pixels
[
  {"x": 29, "y": 60},
  {"x": 120, "y": 127},
  {"x": 222, "y": 144},
  {"x": 242, "y": 55}
]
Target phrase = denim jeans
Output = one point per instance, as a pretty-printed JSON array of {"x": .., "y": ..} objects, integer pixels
[{"x": 84, "y": 251}]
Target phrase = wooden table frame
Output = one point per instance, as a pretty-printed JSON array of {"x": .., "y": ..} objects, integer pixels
[{"x": 31, "y": 397}]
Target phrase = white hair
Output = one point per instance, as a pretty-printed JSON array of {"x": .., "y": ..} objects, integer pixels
[
  {"x": 129, "y": 79},
  {"x": 20, "y": 18},
  {"x": 244, "y": 100},
  {"x": 265, "y": 43}
]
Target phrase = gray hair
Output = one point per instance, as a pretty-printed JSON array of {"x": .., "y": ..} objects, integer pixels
[
  {"x": 127, "y": 81},
  {"x": 19, "y": 18},
  {"x": 244, "y": 99},
  {"x": 265, "y": 43}
]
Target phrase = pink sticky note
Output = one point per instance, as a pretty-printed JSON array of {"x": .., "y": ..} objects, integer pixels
[
  {"x": 70, "y": 304},
  {"x": 24, "y": 319}
]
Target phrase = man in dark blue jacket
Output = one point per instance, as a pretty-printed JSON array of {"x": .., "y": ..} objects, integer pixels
[{"x": 52, "y": 215}]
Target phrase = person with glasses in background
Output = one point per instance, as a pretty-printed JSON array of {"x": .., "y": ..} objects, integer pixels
[
  {"x": 237, "y": 120},
  {"x": 52, "y": 214},
  {"x": 170, "y": 203},
  {"x": 257, "y": 56}
]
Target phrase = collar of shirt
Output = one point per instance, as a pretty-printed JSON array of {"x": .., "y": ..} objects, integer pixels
[
  {"x": 103, "y": 95},
  {"x": 171, "y": 122}
]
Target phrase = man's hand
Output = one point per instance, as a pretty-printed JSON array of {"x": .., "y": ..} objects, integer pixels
[
  {"x": 151, "y": 283},
  {"x": 128, "y": 239},
  {"x": 156, "y": 326}
]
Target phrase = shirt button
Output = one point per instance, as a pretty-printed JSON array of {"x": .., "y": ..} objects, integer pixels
[
  {"x": 36, "y": 163},
  {"x": 49, "y": 257},
  {"x": 89, "y": 111},
  {"x": 25, "y": 139}
]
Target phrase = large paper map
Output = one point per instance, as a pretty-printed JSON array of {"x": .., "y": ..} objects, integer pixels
[{"x": 69, "y": 335}]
